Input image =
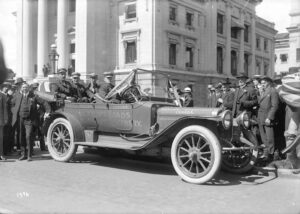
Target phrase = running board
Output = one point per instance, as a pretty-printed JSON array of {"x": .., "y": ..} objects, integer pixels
[{"x": 114, "y": 142}]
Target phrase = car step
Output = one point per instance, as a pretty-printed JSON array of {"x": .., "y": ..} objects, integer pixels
[{"x": 115, "y": 142}]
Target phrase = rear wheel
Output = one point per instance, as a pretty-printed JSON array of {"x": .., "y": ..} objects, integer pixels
[
  {"x": 196, "y": 154},
  {"x": 60, "y": 140}
]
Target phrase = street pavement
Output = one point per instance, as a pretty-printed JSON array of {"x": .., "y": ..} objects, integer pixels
[{"x": 99, "y": 184}]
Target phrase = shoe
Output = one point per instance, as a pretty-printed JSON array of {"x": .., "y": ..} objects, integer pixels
[
  {"x": 2, "y": 158},
  {"x": 22, "y": 158},
  {"x": 29, "y": 159},
  {"x": 282, "y": 164}
]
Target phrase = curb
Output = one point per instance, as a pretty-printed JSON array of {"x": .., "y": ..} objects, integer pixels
[{"x": 281, "y": 173}]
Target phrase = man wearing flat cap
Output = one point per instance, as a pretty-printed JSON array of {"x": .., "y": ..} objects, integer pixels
[
  {"x": 63, "y": 88},
  {"x": 268, "y": 105}
]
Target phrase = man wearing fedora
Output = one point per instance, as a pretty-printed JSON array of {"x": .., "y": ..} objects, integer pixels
[
  {"x": 24, "y": 109},
  {"x": 245, "y": 98},
  {"x": 268, "y": 105},
  {"x": 187, "y": 97}
]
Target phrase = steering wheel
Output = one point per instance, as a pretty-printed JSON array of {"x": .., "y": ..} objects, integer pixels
[{"x": 131, "y": 94}]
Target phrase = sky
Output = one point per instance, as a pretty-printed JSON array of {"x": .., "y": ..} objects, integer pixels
[{"x": 272, "y": 10}]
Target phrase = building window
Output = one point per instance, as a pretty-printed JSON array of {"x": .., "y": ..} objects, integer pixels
[
  {"x": 72, "y": 5},
  {"x": 246, "y": 33},
  {"x": 234, "y": 32},
  {"x": 72, "y": 48},
  {"x": 257, "y": 66},
  {"x": 173, "y": 14},
  {"x": 266, "y": 68},
  {"x": 266, "y": 47},
  {"x": 130, "y": 11},
  {"x": 246, "y": 63},
  {"x": 189, "y": 19},
  {"x": 298, "y": 54},
  {"x": 283, "y": 58},
  {"x": 257, "y": 42},
  {"x": 130, "y": 52},
  {"x": 220, "y": 60},
  {"x": 189, "y": 57},
  {"x": 234, "y": 63},
  {"x": 172, "y": 54},
  {"x": 220, "y": 23}
]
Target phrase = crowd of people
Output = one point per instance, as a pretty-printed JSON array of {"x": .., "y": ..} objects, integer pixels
[
  {"x": 22, "y": 111},
  {"x": 270, "y": 115}
]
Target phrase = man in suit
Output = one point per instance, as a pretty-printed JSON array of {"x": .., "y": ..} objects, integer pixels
[
  {"x": 211, "y": 96},
  {"x": 268, "y": 105},
  {"x": 24, "y": 109},
  {"x": 187, "y": 97},
  {"x": 79, "y": 91},
  {"x": 245, "y": 98},
  {"x": 228, "y": 96},
  {"x": 3, "y": 119}
]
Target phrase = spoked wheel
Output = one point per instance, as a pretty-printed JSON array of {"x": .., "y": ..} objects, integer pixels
[
  {"x": 240, "y": 161},
  {"x": 196, "y": 154},
  {"x": 60, "y": 140}
]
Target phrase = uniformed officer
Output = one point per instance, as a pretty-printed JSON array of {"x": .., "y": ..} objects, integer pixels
[
  {"x": 63, "y": 88},
  {"x": 80, "y": 93},
  {"x": 93, "y": 85},
  {"x": 107, "y": 86}
]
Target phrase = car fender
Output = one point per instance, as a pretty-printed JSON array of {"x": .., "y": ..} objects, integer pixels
[
  {"x": 78, "y": 130},
  {"x": 168, "y": 133}
]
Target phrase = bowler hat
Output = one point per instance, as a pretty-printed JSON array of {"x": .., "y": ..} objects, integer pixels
[
  {"x": 62, "y": 70},
  {"x": 242, "y": 76},
  {"x": 19, "y": 81},
  {"x": 266, "y": 78}
]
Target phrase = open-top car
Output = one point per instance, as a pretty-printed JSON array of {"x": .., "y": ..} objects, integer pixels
[{"x": 198, "y": 140}]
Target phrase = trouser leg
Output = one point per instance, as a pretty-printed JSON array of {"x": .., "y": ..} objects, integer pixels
[
  {"x": 269, "y": 139},
  {"x": 1, "y": 140},
  {"x": 22, "y": 137},
  {"x": 28, "y": 133}
]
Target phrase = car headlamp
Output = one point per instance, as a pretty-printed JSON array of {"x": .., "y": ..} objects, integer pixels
[
  {"x": 226, "y": 119},
  {"x": 245, "y": 120}
]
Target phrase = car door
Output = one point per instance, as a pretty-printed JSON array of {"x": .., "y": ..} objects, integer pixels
[{"x": 114, "y": 118}]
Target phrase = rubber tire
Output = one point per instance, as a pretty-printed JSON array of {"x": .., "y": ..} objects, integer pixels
[
  {"x": 73, "y": 148},
  {"x": 211, "y": 139}
]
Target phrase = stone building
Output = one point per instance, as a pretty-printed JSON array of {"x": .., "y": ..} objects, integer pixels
[
  {"x": 287, "y": 45},
  {"x": 195, "y": 42}
]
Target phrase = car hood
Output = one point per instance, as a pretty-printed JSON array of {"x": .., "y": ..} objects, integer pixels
[{"x": 195, "y": 112}]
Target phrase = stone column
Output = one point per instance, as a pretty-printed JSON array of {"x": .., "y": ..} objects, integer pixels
[
  {"x": 228, "y": 39},
  {"x": 242, "y": 46},
  {"x": 62, "y": 28},
  {"x": 42, "y": 51},
  {"x": 27, "y": 55},
  {"x": 253, "y": 46}
]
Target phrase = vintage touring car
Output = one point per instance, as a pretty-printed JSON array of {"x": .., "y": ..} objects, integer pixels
[{"x": 198, "y": 140}]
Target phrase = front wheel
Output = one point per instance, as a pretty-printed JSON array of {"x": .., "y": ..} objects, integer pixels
[
  {"x": 60, "y": 140},
  {"x": 196, "y": 154}
]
